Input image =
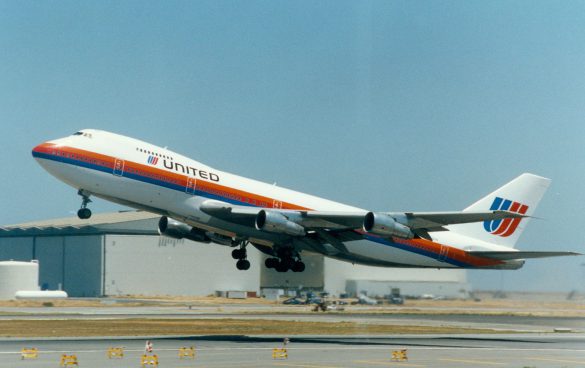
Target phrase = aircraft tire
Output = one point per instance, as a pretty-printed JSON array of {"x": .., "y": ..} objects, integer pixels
[
  {"x": 281, "y": 267},
  {"x": 84, "y": 213},
  {"x": 237, "y": 253},
  {"x": 243, "y": 264},
  {"x": 298, "y": 266},
  {"x": 270, "y": 262}
]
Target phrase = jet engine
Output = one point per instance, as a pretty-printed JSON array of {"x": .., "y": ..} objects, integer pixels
[
  {"x": 276, "y": 222},
  {"x": 384, "y": 225},
  {"x": 178, "y": 230}
]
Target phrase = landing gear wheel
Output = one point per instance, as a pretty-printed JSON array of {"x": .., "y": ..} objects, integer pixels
[
  {"x": 238, "y": 253},
  {"x": 271, "y": 262},
  {"x": 243, "y": 264},
  {"x": 281, "y": 266},
  {"x": 298, "y": 266},
  {"x": 84, "y": 213}
]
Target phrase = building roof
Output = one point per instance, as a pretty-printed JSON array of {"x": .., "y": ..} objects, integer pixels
[{"x": 124, "y": 222}]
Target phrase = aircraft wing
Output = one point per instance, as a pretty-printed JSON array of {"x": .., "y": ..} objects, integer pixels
[
  {"x": 342, "y": 220},
  {"x": 307, "y": 219},
  {"x": 508, "y": 256}
]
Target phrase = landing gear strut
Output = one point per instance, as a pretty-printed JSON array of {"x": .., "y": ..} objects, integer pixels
[
  {"x": 241, "y": 255},
  {"x": 287, "y": 260},
  {"x": 84, "y": 213}
]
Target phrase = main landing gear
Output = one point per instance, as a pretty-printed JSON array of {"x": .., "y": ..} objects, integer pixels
[
  {"x": 84, "y": 213},
  {"x": 241, "y": 255},
  {"x": 287, "y": 260}
]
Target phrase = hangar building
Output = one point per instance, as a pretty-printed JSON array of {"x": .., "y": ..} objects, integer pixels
[{"x": 121, "y": 253}]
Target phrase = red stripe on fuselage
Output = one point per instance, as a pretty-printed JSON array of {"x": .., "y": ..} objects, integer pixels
[{"x": 75, "y": 154}]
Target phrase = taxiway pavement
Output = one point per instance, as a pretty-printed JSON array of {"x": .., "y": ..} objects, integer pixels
[{"x": 531, "y": 344}]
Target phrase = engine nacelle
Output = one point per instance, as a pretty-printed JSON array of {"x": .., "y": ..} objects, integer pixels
[
  {"x": 179, "y": 230},
  {"x": 275, "y": 222},
  {"x": 385, "y": 225}
]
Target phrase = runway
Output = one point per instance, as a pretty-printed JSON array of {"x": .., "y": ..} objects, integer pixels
[
  {"x": 527, "y": 338},
  {"x": 519, "y": 350},
  {"x": 530, "y": 322}
]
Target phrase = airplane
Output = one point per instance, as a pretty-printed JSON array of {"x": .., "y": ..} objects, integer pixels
[{"x": 203, "y": 204}]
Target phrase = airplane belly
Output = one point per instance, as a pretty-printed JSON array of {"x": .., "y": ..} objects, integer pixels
[{"x": 75, "y": 176}]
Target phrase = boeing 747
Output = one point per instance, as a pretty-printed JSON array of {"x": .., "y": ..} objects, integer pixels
[{"x": 203, "y": 204}]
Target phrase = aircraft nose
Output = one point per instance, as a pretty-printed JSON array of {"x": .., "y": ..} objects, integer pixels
[
  {"x": 38, "y": 150},
  {"x": 49, "y": 148}
]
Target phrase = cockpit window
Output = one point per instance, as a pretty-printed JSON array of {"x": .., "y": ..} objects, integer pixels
[{"x": 84, "y": 134}]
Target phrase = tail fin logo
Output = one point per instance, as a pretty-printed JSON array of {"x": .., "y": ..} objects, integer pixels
[
  {"x": 505, "y": 227},
  {"x": 152, "y": 160}
]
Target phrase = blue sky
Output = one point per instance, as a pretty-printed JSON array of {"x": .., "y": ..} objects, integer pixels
[{"x": 390, "y": 105}]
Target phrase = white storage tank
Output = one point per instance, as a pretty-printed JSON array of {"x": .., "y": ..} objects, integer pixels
[
  {"x": 41, "y": 294},
  {"x": 15, "y": 276}
]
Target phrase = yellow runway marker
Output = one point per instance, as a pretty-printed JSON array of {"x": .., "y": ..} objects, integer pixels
[
  {"x": 558, "y": 360},
  {"x": 472, "y": 361},
  {"x": 32, "y": 353},
  {"x": 388, "y": 363}
]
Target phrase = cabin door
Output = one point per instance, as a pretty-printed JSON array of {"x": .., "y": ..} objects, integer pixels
[
  {"x": 118, "y": 167},
  {"x": 191, "y": 185}
]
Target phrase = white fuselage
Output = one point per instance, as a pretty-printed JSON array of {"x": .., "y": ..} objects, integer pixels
[{"x": 145, "y": 176}]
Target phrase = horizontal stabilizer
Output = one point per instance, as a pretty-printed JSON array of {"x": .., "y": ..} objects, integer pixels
[
  {"x": 430, "y": 220},
  {"x": 508, "y": 256}
]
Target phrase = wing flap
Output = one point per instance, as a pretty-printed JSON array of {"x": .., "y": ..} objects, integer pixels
[{"x": 332, "y": 220}]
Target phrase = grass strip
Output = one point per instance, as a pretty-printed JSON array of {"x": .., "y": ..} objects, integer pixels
[{"x": 155, "y": 327}]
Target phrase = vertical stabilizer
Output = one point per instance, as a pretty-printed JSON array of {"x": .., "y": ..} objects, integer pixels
[{"x": 521, "y": 195}]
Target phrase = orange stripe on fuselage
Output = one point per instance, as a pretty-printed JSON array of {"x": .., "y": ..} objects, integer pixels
[{"x": 75, "y": 154}]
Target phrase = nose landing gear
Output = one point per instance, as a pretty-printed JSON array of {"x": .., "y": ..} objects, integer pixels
[{"x": 84, "y": 213}]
